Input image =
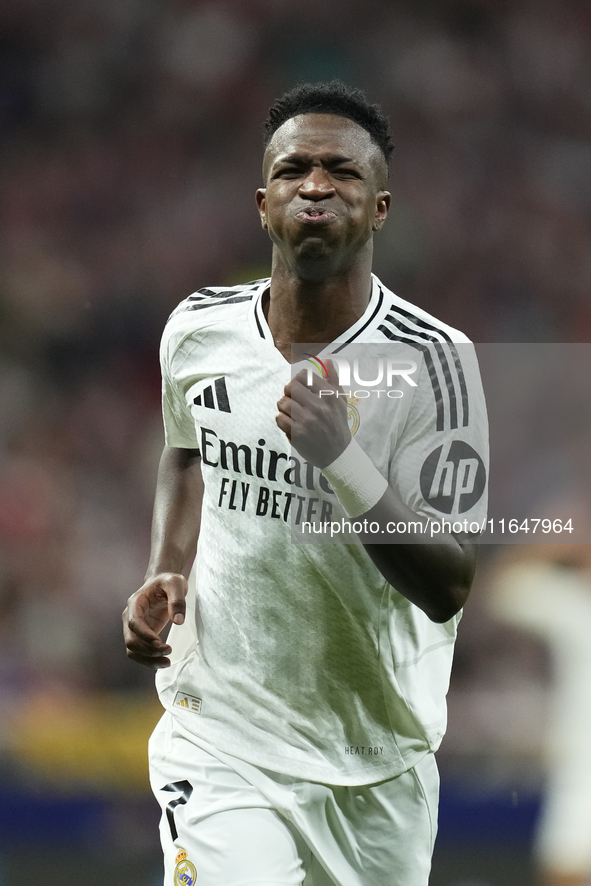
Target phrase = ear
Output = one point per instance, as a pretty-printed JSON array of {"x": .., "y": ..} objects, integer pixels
[
  {"x": 260, "y": 200},
  {"x": 383, "y": 200}
]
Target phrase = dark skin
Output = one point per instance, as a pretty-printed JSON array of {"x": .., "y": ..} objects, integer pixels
[
  {"x": 321, "y": 270},
  {"x": 175, "y": 529},
  {"x": 324, "y": 199}
]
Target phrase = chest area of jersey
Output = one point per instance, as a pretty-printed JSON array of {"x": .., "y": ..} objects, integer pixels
[
  {"x": 248, "y": 464},
  {"x": 247, "y": 461},
  {"x": 234, "y": 398},
  {"x": 233, "y": 403}
]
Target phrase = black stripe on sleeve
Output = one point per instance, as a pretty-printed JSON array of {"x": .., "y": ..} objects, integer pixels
[
  {"x": 451, "y": 390},
  {"x": 196, "y": 306},
  {"x": 205, "y": 298},
  {"x": 210, "y": 293},
  {"x": 224, "y": 293},
  {"x": 463, "y": 386}
]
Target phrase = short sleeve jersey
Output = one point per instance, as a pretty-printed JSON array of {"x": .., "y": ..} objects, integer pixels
[{"x": 301, "y": 658}]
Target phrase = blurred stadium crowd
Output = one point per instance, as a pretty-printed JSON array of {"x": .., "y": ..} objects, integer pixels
[{"x": 130, "y": 147}]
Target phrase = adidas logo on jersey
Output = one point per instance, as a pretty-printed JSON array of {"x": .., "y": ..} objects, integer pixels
[
  {"x": 188, "y": 702},
  {"x": 214, "y": 396}
]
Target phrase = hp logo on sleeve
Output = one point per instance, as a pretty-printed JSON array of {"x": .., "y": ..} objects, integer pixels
[{"x": 453, "y": 478}]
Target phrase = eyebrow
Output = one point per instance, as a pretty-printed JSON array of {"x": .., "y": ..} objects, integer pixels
[{"x": 297, "y": 158}]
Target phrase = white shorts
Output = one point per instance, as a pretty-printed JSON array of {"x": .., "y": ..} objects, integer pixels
[{"x": 229, "y": 823}]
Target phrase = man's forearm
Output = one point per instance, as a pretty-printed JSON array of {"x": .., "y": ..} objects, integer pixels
[
  {"x": 435, "y": 576},
  {"x": 177, "y": 511}
]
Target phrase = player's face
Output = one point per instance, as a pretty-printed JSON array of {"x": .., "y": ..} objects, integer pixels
[{"x": 324, "y": 194}]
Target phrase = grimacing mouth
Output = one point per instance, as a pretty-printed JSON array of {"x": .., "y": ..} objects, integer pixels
[{"x": 315, "y": 214}]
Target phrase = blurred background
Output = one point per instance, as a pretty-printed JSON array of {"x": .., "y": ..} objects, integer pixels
[{"x": 130, "y": 150}]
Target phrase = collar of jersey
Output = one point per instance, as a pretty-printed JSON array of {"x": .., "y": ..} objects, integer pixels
[{"x": 357, "y": 332}]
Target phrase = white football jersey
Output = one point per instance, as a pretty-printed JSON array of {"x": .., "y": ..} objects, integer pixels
[{"x": 299, "y": 657}]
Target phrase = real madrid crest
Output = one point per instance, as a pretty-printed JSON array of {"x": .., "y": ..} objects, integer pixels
[
  {"x": 185, "y": 873},
  {"x": 353, "y": 414}
]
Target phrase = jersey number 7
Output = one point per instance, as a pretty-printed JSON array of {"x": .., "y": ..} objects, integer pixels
[{"x": 185, "y": 788}]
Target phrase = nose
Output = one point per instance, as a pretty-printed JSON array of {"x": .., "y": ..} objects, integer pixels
[{"x": 316, "y": 185}]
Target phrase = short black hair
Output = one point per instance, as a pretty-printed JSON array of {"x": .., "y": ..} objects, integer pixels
[{"x": 332, "y": 97}]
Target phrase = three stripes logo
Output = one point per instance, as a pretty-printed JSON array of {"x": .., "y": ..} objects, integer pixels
[
  {"x": 214, "y": 396},
  {"x": 188, "y": 702},
  {"x": 442, "y": 360},
  {"x": 210, "y": 298}
]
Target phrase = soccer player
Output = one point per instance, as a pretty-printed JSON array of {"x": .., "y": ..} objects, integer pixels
[
  {"x": 546, "y": 591},
  {"x": 304, "y": 684}
]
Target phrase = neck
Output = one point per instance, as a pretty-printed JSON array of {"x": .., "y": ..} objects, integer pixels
[{"x": 317, "y": 311}]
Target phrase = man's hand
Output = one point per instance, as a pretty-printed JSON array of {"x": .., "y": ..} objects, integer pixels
[
  {"x": 148, "y": 611},
  {"x": 315, "y": 421}
]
